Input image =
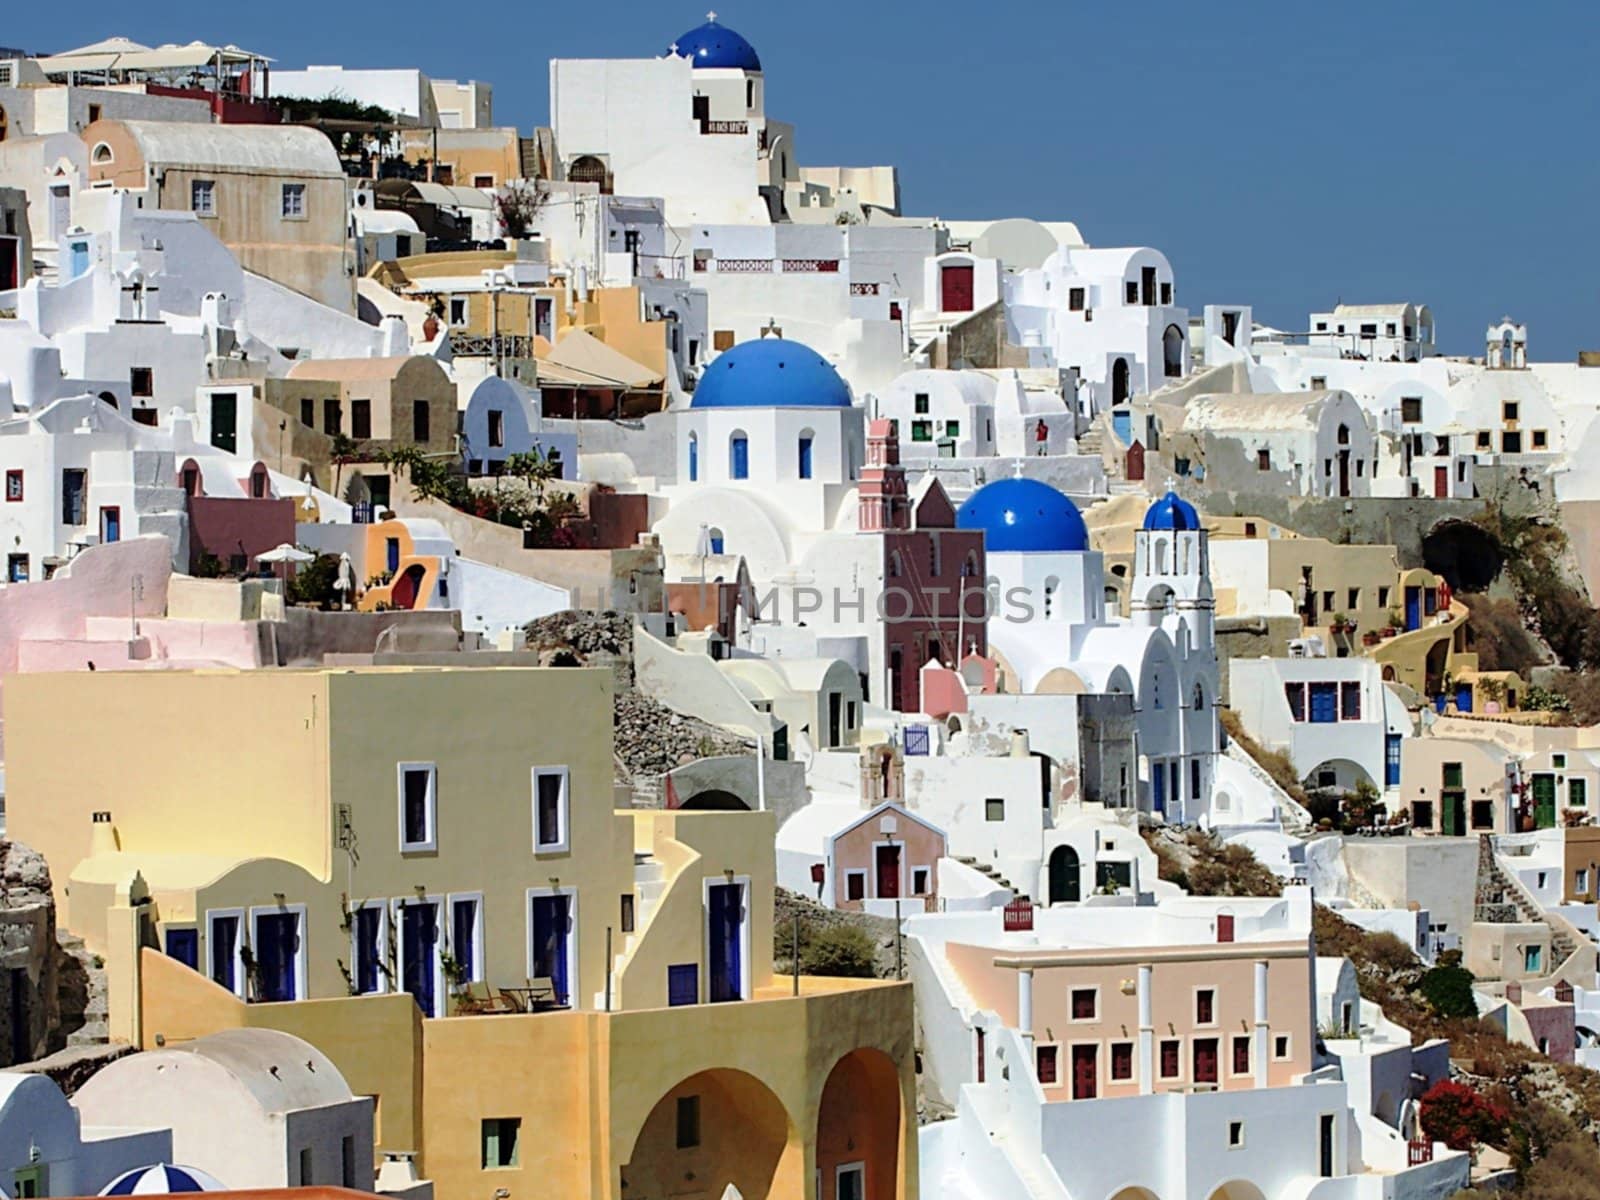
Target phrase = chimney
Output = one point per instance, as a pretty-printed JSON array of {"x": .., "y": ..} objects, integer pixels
[
  {"x": 102, "y": 834},
  {"x": 1019, "y": 743}
]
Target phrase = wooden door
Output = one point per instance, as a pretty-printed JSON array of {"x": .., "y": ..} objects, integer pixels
[
  {"x": 1205, "y": 1060},
  {"x": 1085, "y": 1073},
  {"x": 887, "y": 862},
  {"x": 1441, "y": 483},
  {"x": 955, "y": 288}
]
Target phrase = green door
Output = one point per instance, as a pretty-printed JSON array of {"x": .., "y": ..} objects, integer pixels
[
  {"x": 1455, "y": 813},
  {"x": 1544, "y": 801}
]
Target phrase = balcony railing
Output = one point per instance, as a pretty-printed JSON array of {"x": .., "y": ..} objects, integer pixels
[
  {"x": 810, "y": 266},
  {"x": 863, "y": 289},
  {"x": 744, "y": 266},
  {"x": 1419, "y": 1152}
]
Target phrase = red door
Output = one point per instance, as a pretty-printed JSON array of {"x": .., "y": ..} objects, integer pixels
[
  {"x": 1205, "y": 1060},
  {"x": 1084, "y": 1072},
  {"x": 1441, "y": 483},
  {"x": 955, "y": 289},
  {"x": 888, "y": 863},
  {"x": 1135, "y": 470},
  {"x": 1224, "y": 927},
  {"x": 404, "y": 592}
]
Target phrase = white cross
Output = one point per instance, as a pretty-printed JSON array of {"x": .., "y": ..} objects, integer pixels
[{"x": 711, "y": 16}]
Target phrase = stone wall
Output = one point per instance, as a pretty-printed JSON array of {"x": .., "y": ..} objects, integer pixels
[{"x": 30, "y": 1004}]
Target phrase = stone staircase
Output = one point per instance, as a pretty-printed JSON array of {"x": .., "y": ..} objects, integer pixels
[
  {"x": 985, "y": 869},
  {"x": 1501, "y": 899},
  {"x": 84, "y": 1010}
]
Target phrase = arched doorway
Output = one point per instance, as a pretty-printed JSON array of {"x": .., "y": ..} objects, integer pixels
[
  {"x": 1119, "y": 381},
  {"x": 716, "y": 1128},
  {"x": 859, "y": 1125},
  {"x": 1238, "y": 1189},
  {"x": 715, "y": 800},
  {"x": 1172, "y": 352},
  {"x": 1134, "y": 1193},
  {"x": 404, "y": 593},
  {"x": 1065, "y": 871}
]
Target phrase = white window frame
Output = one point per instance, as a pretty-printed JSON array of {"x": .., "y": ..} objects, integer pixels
[
  {"x": 477, "y": 975},
  {"x": 1183, "y": 1058},
  {"x": 902, "y": 871},
  {"x": 240, "y": 983},
  {"x": 927, "y": 888},
  {"x": 563, "y": 844},
  {"x": 384, "y": 983},
  {"x": 848, "y": 875},
  {"x": 301, "y": 953},
  {"x": 575, "y": 980},
  {"x": 843, "y": 1169},
  {"x": 1216, "y": 1007},
  {"x": 742, "y": 882},
  {"x": 1228, "y": 1047},
  {"x": 208, "y": 188},
  {"x": 439, "y": 910},
  {"x": 297, "y": 190},
  {"x": 1288, "y": 1046},
  {"x": 1094, "y": 1020},
  {"x": 1057, "y": 1047},
  {"x": 430, "y": 843},
  {"x": 1111, "y": 1059},
  {"x": 1236, "y": 1145}
]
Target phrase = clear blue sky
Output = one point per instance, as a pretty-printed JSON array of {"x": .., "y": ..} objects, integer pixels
[{"x": 1281, "y": 154}]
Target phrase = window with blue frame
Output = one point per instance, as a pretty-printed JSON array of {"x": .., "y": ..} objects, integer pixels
[
  {"x": 683, "y": 984},
  {"x": 1324, "y": 703},
  {"x": 184, "y": 945},
  {"x": 805, "y": 458},
  {"x": 1391, "y": 760},
  {"x": 224, "y": 937},
  {"x": 367, "y": 931},
  {"x": 694, "y": 458},
  {"x": 464, "y": 936},
  {"x": 277, "y": 953},
  {"x": 552, "y": 928},
  {"x": 739, "y": 457}
]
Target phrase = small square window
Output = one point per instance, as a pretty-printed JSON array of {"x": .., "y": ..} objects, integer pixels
[
  {"x": 1235, "y": 1134},
  {"x": 500, "y": 1138},
  {"x": 13, "y": 486},
  {"x": 203, "y": 197},
  {"x": 1509, "y": 410},
  {"x": 308, "y": 412},
  {"x": 1085, "y": 1004},
  {"x": 1541, "y": 439},
  {"x": 1352, "y": 598},
  {"x": 1280, "y": 1046},
  {"x": 994, "y": 809},
  {"x": 1411, "y": 409},
  {"x": 919, "y": 881},
  {"x": 551, "y": 808},
  {"x": 458, "y": 310},
  {"x": 1075, "y": 299},
  {"x": 1130, "y": 292},
  {"x": 1383, "y": 597},
  {"x": 1205, "y": 1007},
  {"x": 1319, "y": 383},
  {"x": 688, "y": 1122},
  {"x": 142, "y": 382},
  {"x": 920, "y": 403},
  {"x": 855, "y": 885},
  {"x": 952, "y": 429},
  {"x": 922, "y": 431},
  {"x": 294, "y": 202},
  {"x": 418, "y": 808},
  {"x": 1483, "y": 439},
  {"x": 1263, "y": 460}
]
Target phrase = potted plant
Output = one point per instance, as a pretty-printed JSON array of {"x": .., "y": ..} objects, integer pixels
[
  {"x": 1339, "y": 623},
  {"x": 1370, "y": 638}
]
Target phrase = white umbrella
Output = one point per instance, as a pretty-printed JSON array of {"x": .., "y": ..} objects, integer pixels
[
  {"x": 162, "y": 1179},
  {"x": 285, "y": 553},
  {"x": 344, "y": 581}
]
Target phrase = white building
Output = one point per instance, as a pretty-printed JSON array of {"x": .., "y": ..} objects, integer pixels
[
  {"x": 1386, "y": 332},
  {"x": 52, "y": 1147},
  {"x": 256, "y": 1108},
  {"x": 1111, "y": 313},
  {"x": 1507, "y": 345},
  {"x": 1321, "y": 445}
]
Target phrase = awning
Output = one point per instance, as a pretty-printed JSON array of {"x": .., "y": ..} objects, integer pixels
[
  {"x": 582, "y": 360},
  {"x": 120, "y": 54}
]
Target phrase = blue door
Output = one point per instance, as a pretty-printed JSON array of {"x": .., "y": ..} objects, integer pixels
[
  {"x": 552, "y": 924},
  {"x": 277, "y": 950},
  {"x": 419, "y": 933},
  {"x": 77, "y": 259},
  {"x": 1413, "y": 608},
  {"x": 1324, "y": 703},
  {"x": 224, "y": 949},
  {"x": 1158, "y": 785},
  {"x": 369, "y": 925},
  {"x": 110, "y": 525},
  {"x": 392, "y": 554},
  {"x": 1391, "y": 760},
  {"x": 805, "y": 458},
  {"x": 184, "y": 945},
  {"x": 694, "y": 458},
  {"x": 1463, "y": 697},
  {"x": 726, "y": 920},
  {"x": 1122, "y": 426},
  {"x": 739, "y": 458}
]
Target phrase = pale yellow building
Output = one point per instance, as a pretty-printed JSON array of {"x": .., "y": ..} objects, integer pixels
[{"x": 421, "y": 872}]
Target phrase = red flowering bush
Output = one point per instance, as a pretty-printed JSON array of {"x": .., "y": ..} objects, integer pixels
[{"x": 1460, "y": 1117}]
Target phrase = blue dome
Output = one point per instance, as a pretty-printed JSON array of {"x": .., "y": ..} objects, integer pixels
[
  {"x": 1172, "y": 511},
  {"x": 1024, "y": 515},
  {"x": 713, "y": 45},
  {"x": 770, "y": 373}
]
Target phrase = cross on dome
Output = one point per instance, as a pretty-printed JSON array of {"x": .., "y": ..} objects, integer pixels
[{"x": 711, "y": 16}]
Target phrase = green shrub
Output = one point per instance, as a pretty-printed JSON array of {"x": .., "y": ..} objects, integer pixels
[
  {"x": 1448, "y": 991},
  {"x": 840, "y": 950}
]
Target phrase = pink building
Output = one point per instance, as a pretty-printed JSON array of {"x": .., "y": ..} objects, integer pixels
[{"x": 888, "y": 854}]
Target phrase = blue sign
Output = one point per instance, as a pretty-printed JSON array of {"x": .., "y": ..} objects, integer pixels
[{"x": 917, "y": 740}]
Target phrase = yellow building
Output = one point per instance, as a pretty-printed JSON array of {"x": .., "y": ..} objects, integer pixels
[{"x": 421, "y": 872}]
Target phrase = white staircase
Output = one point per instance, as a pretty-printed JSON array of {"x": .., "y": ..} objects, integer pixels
[{"x": 1293, "y": 815}]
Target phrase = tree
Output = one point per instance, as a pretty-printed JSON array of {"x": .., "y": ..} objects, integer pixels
[
  {"x": 1461, "y": 1117},
  {"x": 341, "y": 454},
  {"x": 313, "y": 583},
  {"x": 846, "y": 951},
  {"x": 1448, "y": 990},
  {"x": 517, "y": 206},
  {"x": 536, "y": 469}
]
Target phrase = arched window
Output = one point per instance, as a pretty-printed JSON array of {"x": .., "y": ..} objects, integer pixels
[
  {"x": 969, "y": 569},
  {"x": 108, "y": 398},
  {"x": 715, "y": 538},
  {"x": 1050, "y": 586},
  {"x": 1161, "y": 556},
  {"x": 739, "y": 455},
  {"x": 259, "y": 489},
  {"x": 1172, "y": 352},
  {"x": 101, "y": 153},
  {"x": 586, "y": 168},
  {"x": 1344, "y": 435},
  {"x": 1199, "y": 697},
  {"x": 1119, "y": 381},
  {"x": 806, "y": 437},
  {"x": 694, "y": 457}
]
